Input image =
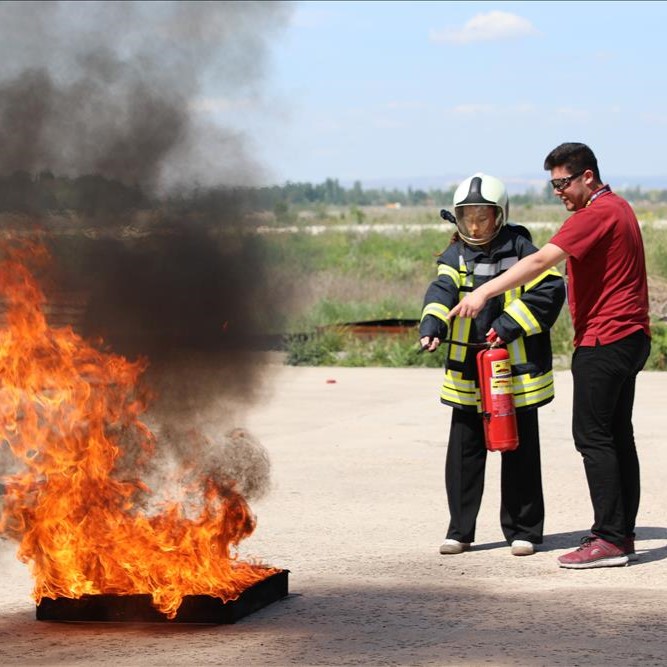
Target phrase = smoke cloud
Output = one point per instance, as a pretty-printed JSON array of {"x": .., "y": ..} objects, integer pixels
[
  {"x": 109, "y": 95},
  {"x": 112, "y": 88}
]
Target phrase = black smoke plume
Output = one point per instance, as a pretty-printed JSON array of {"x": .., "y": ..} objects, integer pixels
[{"x": 105, "y": 153}]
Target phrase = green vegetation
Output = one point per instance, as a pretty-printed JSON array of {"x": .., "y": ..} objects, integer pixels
[
  {"x": 300, "y": 196},
  {"x": 655, "y": 246},
  {"x": 22, "y": 192},
  {"x": 340, "y": 277},
  {"x": 349, "y": 254},
  {"x": 339, "y": 347},
  {"x": 658, "y": 359}
]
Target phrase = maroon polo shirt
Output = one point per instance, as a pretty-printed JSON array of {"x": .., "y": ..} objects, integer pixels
[{"x": 606, "y": 272}]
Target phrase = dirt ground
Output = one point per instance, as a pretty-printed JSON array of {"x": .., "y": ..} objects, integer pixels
[{"x": 356, "y": 513}]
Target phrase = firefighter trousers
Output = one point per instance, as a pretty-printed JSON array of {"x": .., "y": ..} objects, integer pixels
[
  {"x": 603, "y": 398},
  {"x": 521, "y": 498}
]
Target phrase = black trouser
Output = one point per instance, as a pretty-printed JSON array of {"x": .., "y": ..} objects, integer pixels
[
  {"x": 604, "y": 393},
  {"x": 521, "y": 500}
]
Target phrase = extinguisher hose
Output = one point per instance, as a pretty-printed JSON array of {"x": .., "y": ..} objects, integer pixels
[{"x": 487, "y": 344}]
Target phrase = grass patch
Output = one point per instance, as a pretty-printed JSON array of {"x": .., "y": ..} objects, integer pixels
[
  {"x": 657, "y": 360},
  {"x": 323, "y": 281},
  {"x": 339, "y": 347}
]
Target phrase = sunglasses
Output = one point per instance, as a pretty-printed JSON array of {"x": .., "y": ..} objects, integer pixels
[{"x": 561, "y": 184}]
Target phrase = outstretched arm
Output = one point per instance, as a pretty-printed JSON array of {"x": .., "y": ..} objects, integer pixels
[{"x": 522, "y": 272}]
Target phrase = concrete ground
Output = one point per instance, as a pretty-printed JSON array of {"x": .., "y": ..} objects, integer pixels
[{"x": 357, "y": 512}]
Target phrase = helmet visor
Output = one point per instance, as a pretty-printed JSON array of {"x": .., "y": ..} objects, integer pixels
[{"x": 477, "y": 223}]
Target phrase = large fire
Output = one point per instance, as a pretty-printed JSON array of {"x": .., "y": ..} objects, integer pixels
[{"x": 67, "y": 410}]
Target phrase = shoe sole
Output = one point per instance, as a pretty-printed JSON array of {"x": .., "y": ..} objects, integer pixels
[
  {"x": 522, "y": 551},
  {"x": 633, "y": 557},
  {"x": 453, "y": 551},
  {"x": 615, "y": 561}
]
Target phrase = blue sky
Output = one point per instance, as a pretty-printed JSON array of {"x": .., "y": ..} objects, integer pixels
[{"x": 429, "y": 92}]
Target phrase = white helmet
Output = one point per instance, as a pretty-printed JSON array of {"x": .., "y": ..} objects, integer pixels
[{"x": 481, "y": 190}]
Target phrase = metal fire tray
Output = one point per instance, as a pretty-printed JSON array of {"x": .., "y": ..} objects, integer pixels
[{"x": 139, "y": 608}]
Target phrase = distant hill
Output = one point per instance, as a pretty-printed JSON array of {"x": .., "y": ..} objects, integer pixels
[{"x": 518, "y": 184}]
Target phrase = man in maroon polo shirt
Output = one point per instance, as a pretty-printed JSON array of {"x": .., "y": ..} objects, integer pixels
[{"x": 608, "y": 300}]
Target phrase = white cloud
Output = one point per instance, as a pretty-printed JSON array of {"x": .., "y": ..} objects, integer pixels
[{"x": 489, "y": 27}]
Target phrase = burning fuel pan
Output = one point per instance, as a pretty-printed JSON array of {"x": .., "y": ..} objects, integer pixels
[{"x": 140, "y": 609}]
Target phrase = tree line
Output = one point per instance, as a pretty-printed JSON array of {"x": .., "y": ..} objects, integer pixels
[{"x": 91, "y": 194}]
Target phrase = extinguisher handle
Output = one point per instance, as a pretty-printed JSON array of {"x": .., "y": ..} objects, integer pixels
[{"x": 493, "y": 339}]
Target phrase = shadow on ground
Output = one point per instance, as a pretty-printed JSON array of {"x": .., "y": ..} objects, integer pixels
[
  {"x": 371, "y": 625},
  {"x": 571, "y": 539}
]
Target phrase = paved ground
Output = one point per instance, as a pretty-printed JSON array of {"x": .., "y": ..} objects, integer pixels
[{"x": 357, "y": 512}]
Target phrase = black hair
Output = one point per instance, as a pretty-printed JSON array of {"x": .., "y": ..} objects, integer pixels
[{"x": 574, "y": 156}]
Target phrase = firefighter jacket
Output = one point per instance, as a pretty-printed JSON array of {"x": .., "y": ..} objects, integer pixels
[{"x": 521, "y": 317}]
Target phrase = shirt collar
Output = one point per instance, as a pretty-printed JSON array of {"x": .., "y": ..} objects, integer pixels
[{"x": 605, "y": 189}]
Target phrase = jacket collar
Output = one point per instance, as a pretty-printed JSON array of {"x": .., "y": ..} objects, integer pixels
[{"x": 502, "y": 244}]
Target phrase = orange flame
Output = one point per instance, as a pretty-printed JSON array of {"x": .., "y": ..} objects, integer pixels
[{"x": 66, "y": 411}]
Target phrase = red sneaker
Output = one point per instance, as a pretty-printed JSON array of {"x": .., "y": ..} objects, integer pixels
[{"x": 594, "y": 552}]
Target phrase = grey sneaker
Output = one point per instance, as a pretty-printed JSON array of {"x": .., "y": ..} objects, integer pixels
[
  {"x": 522, "y": 548},
  {"x": 450, "y": 546}
]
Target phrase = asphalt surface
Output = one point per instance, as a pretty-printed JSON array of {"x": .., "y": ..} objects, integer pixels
[{"x": 356, "y": 513}]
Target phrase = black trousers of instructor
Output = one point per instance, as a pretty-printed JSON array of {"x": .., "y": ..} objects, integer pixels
[
  {"x": 603, "y": 397},
  {"x": 521, "y": 502}
]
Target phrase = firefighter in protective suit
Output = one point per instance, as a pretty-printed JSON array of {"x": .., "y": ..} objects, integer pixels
[{"x": 484, "y": 246}]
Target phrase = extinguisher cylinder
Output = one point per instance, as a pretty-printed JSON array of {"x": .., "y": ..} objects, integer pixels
[{"x": 498, "y": 413}]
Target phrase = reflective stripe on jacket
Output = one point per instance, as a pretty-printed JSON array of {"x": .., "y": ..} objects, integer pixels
[{"x": 521, "y": 317}]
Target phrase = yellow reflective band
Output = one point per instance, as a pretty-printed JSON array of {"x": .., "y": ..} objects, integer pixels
[
  {"x": 459, "y": 398},
  {"x": 450, "y": 272},
  {"x": 517, "y": 351},
  {"x": 524, "y": 382},
  {"x": 454, "y": 379},
  {"x": 551, "y": 272},
  {"x": 460, "y": 333},
  {"x": 466, "y": 279},
  {"x": 520, "y": 312},
  {"x": 511, "y": 295},
  {"x": 437, "y": 310},
  {"x": 529, "y": 391},
  {"x": 533, "y": 398},
  {"x": 456, "y": 389}
]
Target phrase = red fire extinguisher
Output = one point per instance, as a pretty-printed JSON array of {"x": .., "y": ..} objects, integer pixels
[{"x": 495, "y": 384}]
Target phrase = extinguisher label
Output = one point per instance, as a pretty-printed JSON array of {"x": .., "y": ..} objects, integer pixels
[
  {"x": 501, "y": 368},
  {"x": 501, "y": 385}
]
